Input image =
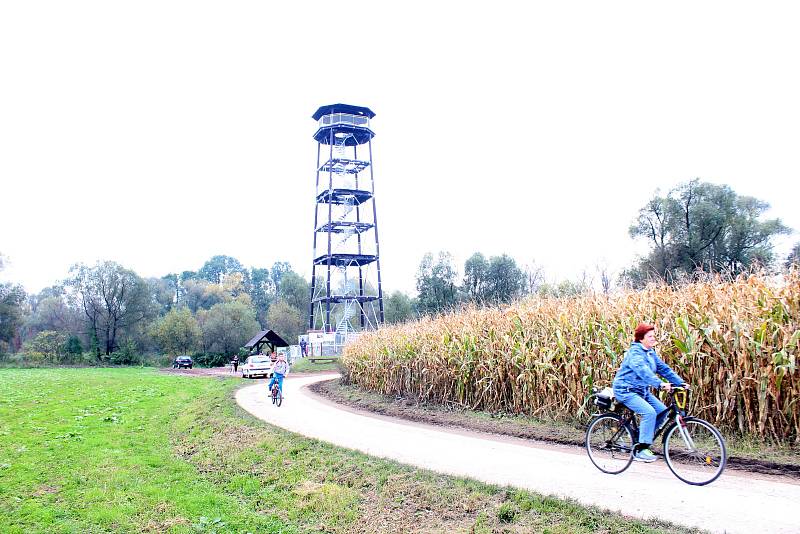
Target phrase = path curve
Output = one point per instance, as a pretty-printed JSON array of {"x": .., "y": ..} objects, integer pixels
[{"x": 736, "y": 502}]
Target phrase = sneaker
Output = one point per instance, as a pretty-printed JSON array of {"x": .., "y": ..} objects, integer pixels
[{"x": 645, "y": 455}]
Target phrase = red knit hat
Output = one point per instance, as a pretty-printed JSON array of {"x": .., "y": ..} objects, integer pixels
[{"x": 641, "y": 330}]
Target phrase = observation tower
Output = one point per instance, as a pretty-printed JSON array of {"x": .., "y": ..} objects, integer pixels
[{"x": 346, "y": 294}]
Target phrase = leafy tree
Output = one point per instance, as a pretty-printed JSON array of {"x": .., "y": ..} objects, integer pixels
[
  {"x": 564, "y": 288},
  {"x": 702, "y": 226},
  {"x": 173, "y": 282},
  {"x": 398, "y": 308},
  {"x": 476, "y": 271},
  {"x": 52, "y": 313},
  {"x": 495, "y": 280},
  {"x": 505, "y": 281},
  {"x": 215, "y": 269},
  {"x": 12, "y": 297},
  {"x": 200, "y": 294},
  {"x": 294, "y": 290},
  {"x": 113, "y": 299},
  {"x": 262, "y": 292},
  {"x": 278, "y": 269},
  {"x": 48, "y": 345},
  {"x": 229, "y": 325},
  {"x": 73, "y": 346},
  {"x": 177, "y": 332},
  {"x": 286, "y": 320},
  {"x": 436, "y": 283},
  {"x": 163, "y": 292},
  {"x": 234, "y": 284}
]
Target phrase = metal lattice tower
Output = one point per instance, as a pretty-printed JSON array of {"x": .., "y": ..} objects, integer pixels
[{"x": 346, "y": 269}]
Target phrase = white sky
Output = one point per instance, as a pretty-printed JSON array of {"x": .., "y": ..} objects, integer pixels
[{"x": 158, "y": 134}]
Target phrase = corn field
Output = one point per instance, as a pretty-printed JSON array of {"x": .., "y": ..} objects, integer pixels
[{"x": 736, "y": 342}]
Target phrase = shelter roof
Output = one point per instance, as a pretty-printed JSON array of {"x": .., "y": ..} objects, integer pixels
[{"x": 266, "y": 336}]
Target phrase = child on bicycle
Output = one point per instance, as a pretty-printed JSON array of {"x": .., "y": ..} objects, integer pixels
[
  {"x": 280, "y": 370},
  {"x": 639, "y": 372}
]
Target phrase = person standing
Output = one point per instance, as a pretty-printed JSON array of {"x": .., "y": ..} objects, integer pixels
[
  {"x": 235, "y": 362},
  {"x": 304, "y": 347}
]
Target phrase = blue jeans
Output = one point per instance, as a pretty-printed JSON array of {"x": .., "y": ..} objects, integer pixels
[
  {"x": 648, "y": 407},
  {"x": 276, "y": 377}
]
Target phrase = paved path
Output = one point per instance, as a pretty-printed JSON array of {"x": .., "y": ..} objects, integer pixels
[{"x": 736, "y": 502}]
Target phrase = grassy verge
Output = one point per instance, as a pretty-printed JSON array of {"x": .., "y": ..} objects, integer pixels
[
  {"x": 134, "y": 450},
  {"x": 303, "y": 365},
  {"x": 746, "y": 452}
]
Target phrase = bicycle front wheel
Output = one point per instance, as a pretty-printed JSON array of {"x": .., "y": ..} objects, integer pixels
[
  {"x": 695, "y": 453},
  {"x": 278, "y": 398},
  {"x": 609, "y": 443}
]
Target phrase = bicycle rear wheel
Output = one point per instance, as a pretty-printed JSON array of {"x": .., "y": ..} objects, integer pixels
[
  {"x": 609, "y": 443},
  {"x": 695, "y": 454}
]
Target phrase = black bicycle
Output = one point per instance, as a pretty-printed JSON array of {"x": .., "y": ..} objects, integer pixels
[
  {"x": 693, "y": 448},
  {"x": 277, "y": 395}
]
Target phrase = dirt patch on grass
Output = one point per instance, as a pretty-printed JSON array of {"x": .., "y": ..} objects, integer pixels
[
  {"x": 222, "y": 372},
  {"x": 45, "y": 489},
  {"x": 403, "y": 504},
  {"x": 507, "y": 425}
]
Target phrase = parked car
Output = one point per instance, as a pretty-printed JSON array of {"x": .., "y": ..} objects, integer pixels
[
  {"x": 257, "y": 365},
  {"x": 182, "y": 361}
]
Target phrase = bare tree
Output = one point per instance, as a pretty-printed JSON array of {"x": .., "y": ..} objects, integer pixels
[
  {"x": 534, "y": 277},
  {"x": 605, "y": 278}
]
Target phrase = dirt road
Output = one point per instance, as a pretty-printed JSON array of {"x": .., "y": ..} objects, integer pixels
[{"x": 736, "y": 502}]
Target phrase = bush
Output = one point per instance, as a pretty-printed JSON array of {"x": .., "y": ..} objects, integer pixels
[
  {"x": 157, "y": 360},
  {"x": 507, "y": 512},
  {"x": 210, "y": 359},
  {"x": 127, "y": 355},
  {"x": 73, "y": 347}
]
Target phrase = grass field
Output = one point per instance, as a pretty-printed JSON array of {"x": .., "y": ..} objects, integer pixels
[
  {"x": 304, "y": 365},
  {"x": 136, "y": 450}
]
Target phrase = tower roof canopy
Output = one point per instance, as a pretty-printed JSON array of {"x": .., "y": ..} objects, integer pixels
[{"x": 342, "y": 108}]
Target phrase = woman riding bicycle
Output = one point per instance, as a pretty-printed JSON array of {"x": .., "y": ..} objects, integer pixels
[
  {"x": 278, "y": 372},
  {"x": 638, "y": 373}
]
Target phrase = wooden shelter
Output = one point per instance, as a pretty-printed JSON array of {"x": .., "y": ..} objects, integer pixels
[{"x": 265, "y": 337}]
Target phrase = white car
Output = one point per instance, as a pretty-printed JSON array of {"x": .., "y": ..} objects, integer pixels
[{"x": 257, "y": 366}]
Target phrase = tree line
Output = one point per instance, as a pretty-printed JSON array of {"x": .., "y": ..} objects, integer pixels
[
  {"x": 107, "y": 313},
  {"x": 695, "y": 229}
]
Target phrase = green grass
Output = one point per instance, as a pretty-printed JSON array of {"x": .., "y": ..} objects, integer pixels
[
  {"x": 303, "y": 365},
  {"x": 135, "y": 450}
]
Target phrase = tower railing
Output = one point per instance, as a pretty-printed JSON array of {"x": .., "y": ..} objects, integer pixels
[{"x": 344, "y": 119}]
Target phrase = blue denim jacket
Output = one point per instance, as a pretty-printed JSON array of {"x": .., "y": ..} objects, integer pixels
[{"x": 639, "y": 370}]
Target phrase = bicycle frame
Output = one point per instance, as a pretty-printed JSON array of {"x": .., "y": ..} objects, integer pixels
[
  {"x": 682, "y": 452},
  {"x": 678, "y": 411}
]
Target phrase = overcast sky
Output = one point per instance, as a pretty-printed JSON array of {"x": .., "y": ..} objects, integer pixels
[{"x": 158, "y": 134}]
